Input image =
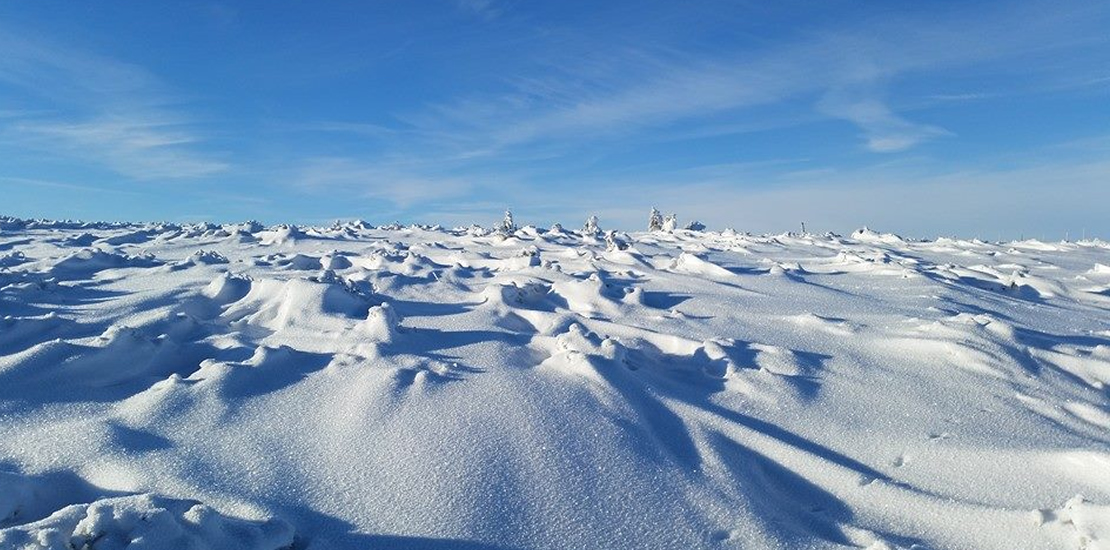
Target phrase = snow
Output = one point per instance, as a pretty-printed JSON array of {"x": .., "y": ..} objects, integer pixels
[
  {"x": 206, "y": 386},
  {"x": 143, "y": 521}
]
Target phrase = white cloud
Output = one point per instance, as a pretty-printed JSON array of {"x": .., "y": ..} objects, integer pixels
[
  {"x": 392, "y": 182},
  {"x": 618, "y": 93},
  {"x": 97, "y": 109},
  {"x": 488, "y": 9},
  {"x": 884, "y": 131},
  {"x": 140, "y": 147}
]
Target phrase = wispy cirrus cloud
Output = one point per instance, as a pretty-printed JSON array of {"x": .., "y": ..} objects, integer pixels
[
  {"x": 488, "y": 9},
  {"x": 97, "y": 109},
  {"x": 513, "y": 139},
  {"x": 843, "y": 74},
  {"x": 883, "y": 130},
  {"x": 139, "y": 146},
  {"x": 389, "y": 181}
]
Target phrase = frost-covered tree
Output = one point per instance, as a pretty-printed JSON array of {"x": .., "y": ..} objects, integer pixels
[
  {"x": 507, "y": 225},
  {"x": 655, "y": 222},
  {"x": 614, "y": 242},
  {"x": 670, "y": 223},
  {"x": 591, "y": 228}
]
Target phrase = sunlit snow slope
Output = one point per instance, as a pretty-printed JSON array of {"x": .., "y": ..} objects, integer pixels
[{"x": 354, "y": 387}]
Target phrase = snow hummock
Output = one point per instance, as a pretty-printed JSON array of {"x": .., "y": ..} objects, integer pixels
[
  {"x": 145, "y": 521},
  {"x": 237, "y": 386}
]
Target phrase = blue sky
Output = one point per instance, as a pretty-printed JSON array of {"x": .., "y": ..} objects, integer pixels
[{"x": 987, "y": 119}]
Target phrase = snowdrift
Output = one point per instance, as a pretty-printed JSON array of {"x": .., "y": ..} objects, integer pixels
[{"x": 237, "y": 386}]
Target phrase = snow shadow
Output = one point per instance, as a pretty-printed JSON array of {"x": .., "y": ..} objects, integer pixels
[
  {"x": 35, "y": 497},
  {"x": 647, "y": 389},
  {"x": 317, "y": 530}
]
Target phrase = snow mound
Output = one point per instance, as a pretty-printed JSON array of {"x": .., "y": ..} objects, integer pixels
[
  {"x": 1099, "y": 269},
  {"x": 694, "y": 265},
  {"x": 277, "y": 304},
  {"x": 228, "y": 288},
  {"x": 12, "y": 259},
  {"x": 91, "y": 260},
  {"x": 282, "y": 234},
  {"x": 145, "y": 521},
  {"x": 866, "y": 235},
  {"x": 207, "y": 257}
]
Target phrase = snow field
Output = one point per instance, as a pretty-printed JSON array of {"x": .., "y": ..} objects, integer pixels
[{"x": 359, "y": 387}]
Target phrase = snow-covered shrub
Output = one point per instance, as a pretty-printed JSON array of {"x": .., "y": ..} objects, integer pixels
[
  {"x": 670, "y": 223},
  {"x": 655, "y": 222},
  {"x": 507, "y": 225},
  {"x": 590, "y": 228},
  {"x": 695, "y": 226},
  {"x": 614, "y": 242}
]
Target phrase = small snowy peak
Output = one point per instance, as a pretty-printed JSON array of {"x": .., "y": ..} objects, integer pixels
[
  {"x": 527, "y": 258},
  {"x": 131, "y": 237},
  {"x": 590, "y": 297},
  {"x": 227, "y": 288},
  {"x": 281, "y": 235},
  {"x": 1021, "y": 283},
  {"x": 146, "y": 521},
  {"x": 870, "y": 236},
  {"x": 382, "y": 323},
  {"x": 120, "y": 361},
  {"x": 692, "y": 264},
  {"x": 83, "y": 240},
  {"x": 528, "y": 293},
  {"x": 720, "y": 359},
  {"x": 580, "y": 351},
  {"x": 1034, "y": 244},
  {"x": 204, "y": 257},
  {"x": 278, "y": 304},
  {"x": 626, "y": 256},
  {"x": 376, "y": 260},
  {"x": 864, "y": 257},
  {"x": 413, "y": 264},
  {"x": 249, "y": 227},
  {"x": 785, "y": 269},
  {"x": 92, "y": 260},
  {"x": 335, "y": 260},
  {"x": 577, "y": 339},
  {"x": 297, "y": 262}
]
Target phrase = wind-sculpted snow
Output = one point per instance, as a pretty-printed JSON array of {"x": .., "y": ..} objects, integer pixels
[
  {"x": 206, "y": 386},
  {"x": 140, "y": 521}
]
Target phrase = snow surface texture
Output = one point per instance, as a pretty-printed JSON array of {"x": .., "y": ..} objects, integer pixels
[{"x": 354, "y": 387}]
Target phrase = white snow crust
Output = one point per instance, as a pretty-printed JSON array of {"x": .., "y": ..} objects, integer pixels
[{"x": 236, "y": 386}]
